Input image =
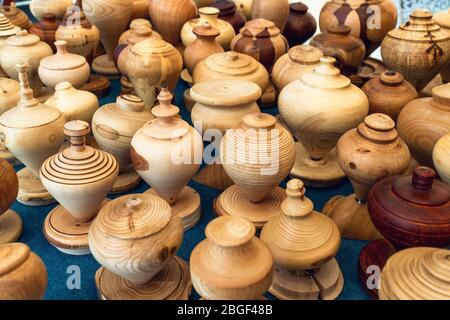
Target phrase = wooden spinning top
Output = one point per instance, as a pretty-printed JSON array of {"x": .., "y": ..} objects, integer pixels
[
  {"x": 167, "y": 153},
  {"x": 23, "y": 275},
  {"x": 257, "y": 157},
  {"x": 303, "y": 244},
  {"x": 10, "y": 221},
  {"x": 135, "y": 239},
  {"x": 78, "y": 172},
  {"x": 16, "y": 16},
  {"x": 7, "y": 29},
  {"x": 114, "y": 125},
  {"x": 231, "y": 263},
  {"x": 46, "y": 29},
  {"x": 416, "y": 274},
  {"x": 32, "y": 132},
  {"x": 367, "y": 154}
]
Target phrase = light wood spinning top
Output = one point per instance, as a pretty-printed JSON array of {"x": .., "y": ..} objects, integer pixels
[
  {"x": 303, "y": 244},
  {"x": 41, "y": 7},
  {"x": 257, "y": 157},
  {"x": 231, "y": 263},
  {"x": 9, "y": 97},
  {"x": 135, "y": 239},
  {"x": 23, "y": 275},
  {"x": 167, "y": 153},
  {"x": 16, "y": 16},
  {"x": 368, "y": 154},
  {"x": 10, "y": 221},
  {"x": 32, "y": 132},
  {"x": 7, "y": 29},
  {"x": 417, "y": 274},
  {"x": 79, "y": 177},
  {"x": 113, "y": 126},
  {"x": 441, "y": 156},
  {"x": 319, "y": 108},
  {"x": 64, "y": 66}
]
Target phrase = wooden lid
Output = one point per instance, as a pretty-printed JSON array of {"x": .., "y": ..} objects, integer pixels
[
  {"x": 226, "y": 7},
  {"x": 326, "y": 76},
  {"x": 417, "y": 274},
  {"x": 229, "y": 232},
  {"x": 378, "y": 127},
  {"x": 123, "y": 118},
  {"x": 298, "y": 7},
  {"x": 339, "y": 29},
  {"x": 225, "y": 92},
  {"x": 206, "y": 31},
  {"x": 12, "y": 256},
  {"x": 62, "y": 60},
  {"x": 259, "y": 121},
  {"x": 391, "y": 78},
  {"x": 167, "y": 126},
  {"x": 135, "y": 23},
  {"x": 260, "y": 28},
  {"x": 208, "y": 11},
  {"x": 141, "y": 33},
  {"x": 22, "y": 39},
  {"x": 442, "y": 18},
  {"x": 29, "y": 112},
  {"x": 305, "y": 54},
  {"x": 152, "y": 46},
  {"x": 134, "y": 216},
  {"x": 232, "y": 63},
  {"x": 78, "y": 164},
  {"x": 6, "y": 27},
  {"x": 301, "y": 238}
]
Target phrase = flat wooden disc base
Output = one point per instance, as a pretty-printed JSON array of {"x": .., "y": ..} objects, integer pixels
[
  {"x": 67, "y": 234},
  {"x": 102, "y": 65},
  {"x": 318, "y": 174},
  {"x": 6, "y": 155},
  {"x": 374, "y": 254},
  {"x": 325, "y": 282},
  {"x": 233, "y": 202},
  {"x": 171, "y": 283},
  {"x": 125, "y": 182},
  {"x": 45, "y": 94},
  {"x": 97, "y": 84},
  {"x": 10, "y": 227},
  {"x": 32, "y": 191},
  {"x": 187, "y": 207},
  {"x": 351, "y": 217},
  {"x": 186, "y": 77},
  {"x": 214, "y": 176}
]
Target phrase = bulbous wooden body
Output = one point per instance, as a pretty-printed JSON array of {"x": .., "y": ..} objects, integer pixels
[
  {"x": 111, "y": 17},
  {"x": 134, "y": 25},
  {"x": 441, "y": 156},
  {"x": 245, "y": 7},
  {"x": 388, "y": 93},
  {"x": 229, "y": 13},
  {"x": 337, "y": 42},
  {"x": 412, "y": 211},
  {"x": 169, "y": 16},
  {"x": 150, "y": 64},
  {"x": 115, "y": 124},
  {"x": 233, "y": 66},
  {"x": 262, "y": 40},
  {"x": 46, "y": 29},
  {"x": 257, "y": 174},
  {"x": 231, "y": 263},
  {"x": 81, "y": 36},
  {"x": 135, "y": 236},
  {"x": 205, "y": 45},
  {"x": 74, "y": 104},
  {"x": 312, "y": 111},
  {"x": 370, "y": 20},
  {"x": 443, "y": 20},
  {"x": 167, "y": 152},
  {"x": 422, "y": 39},
  {"x": 294, "y": 64},
  {"x": 371, "y": 152},
  {"x": 64, "y": 66},
  {"x": 416, "y": 274},
  {"x": 27, "y": 48},
  {"x": 16, "y": 16},
  {"x": 208, "y": 15},
  {"x": 57, "y": 7},
  {"x": 300, "y": 25},
  {"x": 276, "y": 11},
  {"x": 140, "y": 9},
  {"x": 221, "y": 104},
  {"x": 23, "y": 275},
  {"x": 423, "y": 122}
]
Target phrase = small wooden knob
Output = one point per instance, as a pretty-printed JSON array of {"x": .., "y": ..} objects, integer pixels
[
  {"x": 305, "y": 54},
  {"x": 61, "y": 47},
  {"x": 143, "y": 31},
  {"x": 206, "y": 30},
  {"x": 131, "y": 103},
  {"x": 423, "y": 178},
  {"x": 139, "y": 23},
  {"x": 379, "y": 122},
  {"x": 230, "y": 231},
  {"x": 339, "y": 29},
  {"x": 133, "y": 204},
  {"x": 209, "y": 11},
  {"x": 259, "y": 121},
  {"x": 77, "y": 130},
  {"x": 391, "y": 78},
  {"x": 421, "y": 14},
  {"x": 165, "y": 110},
  {"x": 231, "y": 56},
  {"x": 295, "y": 188}
]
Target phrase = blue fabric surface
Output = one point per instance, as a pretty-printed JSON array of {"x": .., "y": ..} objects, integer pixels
[{"x": 57, "y": 262}]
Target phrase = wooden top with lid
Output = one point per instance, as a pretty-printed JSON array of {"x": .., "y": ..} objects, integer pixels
[
  {"x": 326, "y": 76},
  {"x": 378, "y": 127},
  {"x": 206, "y": 30},
  {"x": 305, "y": 54},
  {"x": 6, "y": 27},
  {"x": 22, "y": 39},
  {"x": 260, "y": 28},
  {"x": 62, "y": 60},
  {"x": 152, "y": 46}
]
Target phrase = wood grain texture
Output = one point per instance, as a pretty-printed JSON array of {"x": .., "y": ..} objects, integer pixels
[
  {"x": 16, "y": 16},
  {"x": 441, "y": 156},
  {"x": 442, "y": 18},
  {"x": 300, "y": 25},
  {"x": 276, "y": 11},
  {"x": 23, "y": 275},
  {"x": 229, "y": 13},
  {"x": 231, "y": 263},
  {"x": 56, "y": 7},
  {"x": 46, "y": 29}
]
